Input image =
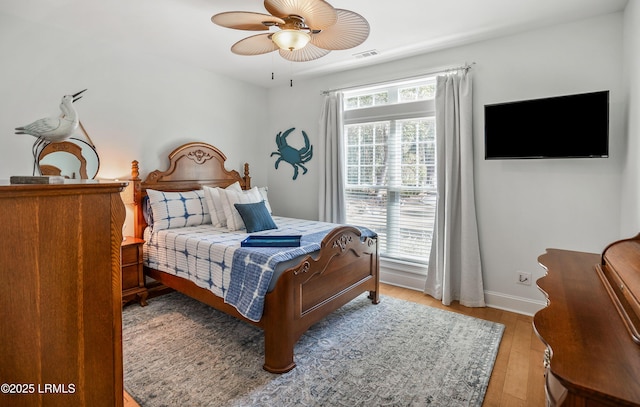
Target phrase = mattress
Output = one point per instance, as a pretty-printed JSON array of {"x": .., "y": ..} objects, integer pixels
[{"x": 212, "y": 258}]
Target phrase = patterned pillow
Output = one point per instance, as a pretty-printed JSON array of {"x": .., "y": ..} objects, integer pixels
[
  {"x": 229, "y": 198},
  {"x": 178, "y": 209},
  {"x": 214, "y": 203}
]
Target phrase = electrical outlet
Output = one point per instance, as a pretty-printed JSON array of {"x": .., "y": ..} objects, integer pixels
[{"x": 524, "y": 278}]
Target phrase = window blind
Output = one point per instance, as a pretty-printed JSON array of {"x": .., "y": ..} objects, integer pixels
[{"x": 390, "y": 186}]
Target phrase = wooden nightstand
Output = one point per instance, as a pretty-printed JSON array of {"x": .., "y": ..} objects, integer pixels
[{"x": 133, "y": 287}]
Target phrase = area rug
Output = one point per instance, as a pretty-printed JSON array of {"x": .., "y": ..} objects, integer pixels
[{"x": 180, "y": 352}]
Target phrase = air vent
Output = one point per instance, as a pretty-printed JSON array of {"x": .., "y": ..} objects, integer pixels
[{"x": 365, "y": 54}]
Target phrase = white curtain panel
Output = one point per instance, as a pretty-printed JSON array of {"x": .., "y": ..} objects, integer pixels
[
  {"x": 455, "y": 271},
  {"x": 332, "y": 204}
]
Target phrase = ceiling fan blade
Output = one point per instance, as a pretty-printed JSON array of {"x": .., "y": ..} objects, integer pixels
[
  {"x": 254, "y": 45},
  {"x": 308, "y": 53},
  {"x": 244, "y": 20},
  {"x": 349, "y": 31},
  {"x": 317, "y": 14}
]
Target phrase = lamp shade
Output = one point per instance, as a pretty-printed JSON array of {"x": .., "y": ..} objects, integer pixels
[
  {"x": 127, "y": 194},
  {"x": 291, "y": 39}
]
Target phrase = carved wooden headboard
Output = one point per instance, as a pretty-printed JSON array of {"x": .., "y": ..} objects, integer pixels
[{"x": 191, "y": 166}]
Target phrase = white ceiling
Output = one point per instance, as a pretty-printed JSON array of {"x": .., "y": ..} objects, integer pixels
[{"x": 182, "y": 29}]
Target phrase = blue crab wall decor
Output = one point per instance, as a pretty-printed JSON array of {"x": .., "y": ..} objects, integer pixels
[{"x": 291, "y": 155}]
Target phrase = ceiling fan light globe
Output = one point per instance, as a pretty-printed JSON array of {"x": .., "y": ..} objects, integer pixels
[{"x": 291, "y": 39}]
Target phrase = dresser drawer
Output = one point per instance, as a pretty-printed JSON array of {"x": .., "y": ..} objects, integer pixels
[
  {"x": 130, "y": 277},
  {"x": 131, "y": 254}
]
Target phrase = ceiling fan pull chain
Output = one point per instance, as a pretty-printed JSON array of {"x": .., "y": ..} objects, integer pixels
[
  {"x": 272, "y": 69},
  {"x": 291, "y": 74}
]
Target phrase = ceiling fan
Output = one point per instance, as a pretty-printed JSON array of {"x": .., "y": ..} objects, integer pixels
[{"x": 307, "y": 29}]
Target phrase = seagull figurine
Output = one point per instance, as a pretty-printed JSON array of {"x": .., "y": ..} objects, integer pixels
[{"x": 53, "y": 129}]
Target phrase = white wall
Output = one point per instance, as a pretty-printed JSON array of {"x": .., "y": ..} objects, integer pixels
[
  {"x": 523, "y": 206},
  {"x": 526, "y": 206},
  {"x": 136, "y": 107},
  {"x": 630, "y": 203}
]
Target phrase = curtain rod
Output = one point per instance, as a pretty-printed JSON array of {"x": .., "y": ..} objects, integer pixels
[{"x": 442, "y": 70}]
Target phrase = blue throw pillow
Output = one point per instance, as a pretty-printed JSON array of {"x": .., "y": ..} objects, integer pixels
[{"x": 255, "y": 216}]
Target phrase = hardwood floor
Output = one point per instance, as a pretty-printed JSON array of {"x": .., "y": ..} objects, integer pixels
[{"x": 518, "y": 375}]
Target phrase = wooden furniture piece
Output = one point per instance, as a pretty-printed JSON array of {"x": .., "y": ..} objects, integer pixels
[
  {"x": 591, "y": 357},
  {"x": 60, "y": 297},
  {"x": 46, "y": 169},
  {"x": 344, "y": 268},
  {"x": 620, "y": 273},
  {"x": 133, "y": 285}
]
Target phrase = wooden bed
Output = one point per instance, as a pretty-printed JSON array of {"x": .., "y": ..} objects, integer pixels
[{"x": 345, "y": 267}]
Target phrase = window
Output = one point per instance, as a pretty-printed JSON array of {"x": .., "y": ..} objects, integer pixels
[{"x": 389, "y": 138}]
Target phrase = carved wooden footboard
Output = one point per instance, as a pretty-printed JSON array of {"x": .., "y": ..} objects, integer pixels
[{"x": 346, "y": 265}]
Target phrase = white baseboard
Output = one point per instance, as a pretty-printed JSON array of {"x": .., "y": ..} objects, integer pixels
[
  {"x": 402, "y": 279},
  {"x": 512, "y": 303},
  {"x": 413, "y": 281}
]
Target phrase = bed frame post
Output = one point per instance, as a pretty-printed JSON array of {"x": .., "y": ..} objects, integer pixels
[
  {"x": 138, "y": 218},
  {"x": 246, "y": 178},
  {"x": 280, "y": 337}
]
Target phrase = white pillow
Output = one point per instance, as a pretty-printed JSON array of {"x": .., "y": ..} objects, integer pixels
[
  {"x": 215, "y": 205},
  {"x": 263, "y": 192},
  {"x": 230, "y": 197},
  {"x": 177, "y": 209}
]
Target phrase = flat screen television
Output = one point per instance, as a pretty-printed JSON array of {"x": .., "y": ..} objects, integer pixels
[{"x": 572, "y": 126}]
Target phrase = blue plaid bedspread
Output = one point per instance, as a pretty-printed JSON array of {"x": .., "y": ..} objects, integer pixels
[{"x": 212, "y": 258}]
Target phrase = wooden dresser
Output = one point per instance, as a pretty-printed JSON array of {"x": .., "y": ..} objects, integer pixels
[
  {"x": 60, "y": 296},
  {"x": 592, "y": 358}
]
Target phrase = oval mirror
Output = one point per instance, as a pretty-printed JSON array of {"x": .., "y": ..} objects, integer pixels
[{"x": 72, "y": 158}]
